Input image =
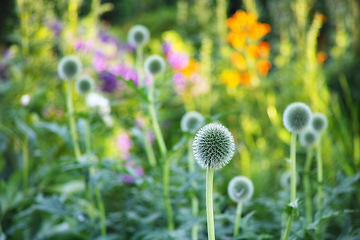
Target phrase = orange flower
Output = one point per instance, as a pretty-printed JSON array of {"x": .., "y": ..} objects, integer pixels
[
  {"x": 321, "y": 57},
  {"x": 191, "y": 68},
  {"x": 263, "y": 67},
  {"x": 237, "y": 39},
  {"x": 241, "y": 20},
  {"x": 239, "y": 61},
  {"x": 259, "y": 30},
  {"x": 252, "y": 51},
  {"x": 321, "y": 16},
  {"x": 264, "y": 49},
  {"x": 230, "y": 78},
  {"x": 245, "y": 78}
]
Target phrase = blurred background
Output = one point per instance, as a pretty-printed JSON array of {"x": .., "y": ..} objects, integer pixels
[{"x": 284, "y": 51}]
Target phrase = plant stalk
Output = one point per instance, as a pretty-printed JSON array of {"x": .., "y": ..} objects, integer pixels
[
  {"x": 319, "y": 176},
  {"x": 307, "y": 186},
  {"x": 25, "y": 151},
  {"x": 166, "y": 194},
  {"x": 194, "y": 200},
  {"x": 238, "y": 218},
  {"x": 209, "y": 203}
]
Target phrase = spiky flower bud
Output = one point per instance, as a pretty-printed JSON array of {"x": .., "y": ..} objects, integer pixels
[
  {"x": 240, "y": 189},
  {"x": 308, "y": 137},
  {"x": 69, "y": 66},
  {"x": 154, "y": 65},
  {"x": 192, "y": 121},
  {"x": 319, "y": 122},
  {"x": 138, "y": 35},
  {"x": 297, "y": 117},
  {"x": 84, "y": 84},
  {"x": 213, "y": 146},
  {"x": 285, "y": 179}
]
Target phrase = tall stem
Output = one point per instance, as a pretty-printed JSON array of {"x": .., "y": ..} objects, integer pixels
[
  {"x": 70, "y": 112},
  {"x": 101, "y": 210},
  {"x": 319, "y": 176},
  {"x": 149, "y": 150},
  {"x": 194, "y": 200},
  {"x": 166, "y": 194},
  {"x": 209, "y": 203},
  {"x": 25, "y": 151},
  {"x": 292, "y": 182},
  {"x": 238, "y": 218},
  {"x": 307, "y": 186}
]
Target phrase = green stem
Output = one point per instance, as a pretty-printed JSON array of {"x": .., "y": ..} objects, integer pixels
[
  {"x": 139, "y": 62},
  {"x": 292, "y": 181},
  {"x": 307, "y": 186},
  {"x": 101, "y": 210},
  {"x": 25, "y": 150},
  {"x": 70, "y": 112},
  {"x": 194, "y": 200},
  {"x": 209, "y": 203},
  {"x": 155, "y": 123},
  {"x": 319, "y": 176},
  {"x": 293, "y": 167},
  {"x": 149, "y": 150},
  {"x": 237, "y": 218},
  {"x": 166, "y": 193}
]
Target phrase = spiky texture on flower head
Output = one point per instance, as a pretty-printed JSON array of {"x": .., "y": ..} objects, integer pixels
[
  {"x": 213, "y": 146},
  {"x": 308, "y": 137},
  {"x": 138, "y": 35},
  {"x": 192, "y": 121},
  {"x": 297, "y": 117},
  {"x": 154, "y": 65},
  {"x": 84, "y": 84},
  {"x": 69, "y": 66},
  {"x": 240, "y": 189},
  {"x": 319, "y": 122}
]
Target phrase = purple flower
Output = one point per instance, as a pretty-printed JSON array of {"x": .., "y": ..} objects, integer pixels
[
  {"x": 139, "y": 171},
  {"x": 127, "y": 178},
  {"x": 178, "y": 60},
  {"x": 99, "y": 62},
  {"x": 125, "y": 72},
  {"x": 109, "y": 82},
  {"x": 166, "y": 47},
  {"x": 180, "y": 82},
  {"x": 124, "y": 144}
]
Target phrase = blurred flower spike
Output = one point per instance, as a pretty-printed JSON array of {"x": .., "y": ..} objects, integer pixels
[
  {"x": 251, "y": 55},
  {"x": 187, "y": 80}
]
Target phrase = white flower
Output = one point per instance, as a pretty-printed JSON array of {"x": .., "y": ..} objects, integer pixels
[
  {"x": 25, "y": 100},
  {"x": 95, "y": 100}
]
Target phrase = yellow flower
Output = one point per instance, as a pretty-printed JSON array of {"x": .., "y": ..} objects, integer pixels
[
  {"x": 239, "y": 61},
  {"x": 230, "y": 78}
]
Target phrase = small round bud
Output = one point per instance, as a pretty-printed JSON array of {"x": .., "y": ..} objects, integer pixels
[
  {"x": 296, "y": 117},
  {"x": 319, "y": 122},
  {"x": 192, "y": 121},
  {"x": 213, "y": 146},
  {"x": 308, "y": 137},
  {"x": 25, "y": 100},
  {"x": 154, "y": 65},
  {"x": 240, "y": 189},
  {"x": 69, "y": 66},
  {"x": 138, "y": 35},
  {"x": 84, "y": 84}
]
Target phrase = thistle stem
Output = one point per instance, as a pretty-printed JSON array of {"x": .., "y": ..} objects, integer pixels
[
  {"x": 101, "y": 210},
  {"x": 319, "y": 176},
  {"x": 194, "y": 200},
  {"x": 70, "y": 112},
  {"x": 307, "y": 186},
  {"x": 25, "y": 151},
  {"x": 149, "y": 150},
  {"x": 209, "y": 203},
  {"x": 292, "y": 182},
  {"x": 238, "y": 218},
  {"x": 166, "y": 194}
]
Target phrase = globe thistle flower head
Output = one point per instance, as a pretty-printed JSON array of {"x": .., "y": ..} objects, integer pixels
[
  {"x": 319, "y": 122},
  {"x": 213, "y": 146},
  {"x": 285, "y": 179},
  {"x": 192, "y": 121},
  {"x": 154, "y": 65},
  {"x": 308, "y": 137},
  {"x": 69, "y": 66},
  {"x": 138, "y": 35},
  {"x": 84, "y": 84},
  {"x": 240, "y": 189},
  {"x": 297, "y": 117}
]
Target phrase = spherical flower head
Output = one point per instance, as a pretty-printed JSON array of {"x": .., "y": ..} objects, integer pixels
[
  {"x": 84, "y": 84},
  {"x": 69, "y": 66},
  {"x": 138, "y": 35},
  {"x": 240, "y": 189},
  {"x": 213, "y": 146},
  {"x": 25, "y": 100},
  {"x": 319, "y": 122},
  {"x": 192, "y": 121},
  {"x": 308, "y": 137},
  {"x": 285, "y": 179},
  {"x": 297, "y": 117},
  {"x": 154, "y": 65}
]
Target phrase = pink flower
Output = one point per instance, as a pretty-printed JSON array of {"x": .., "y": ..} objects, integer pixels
[
  {"x": 180, "y": 82},
  {"x": 99, "y": 62},
  {"x": 178, "y": 60},
  {"x": 124, "y": 144}
]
